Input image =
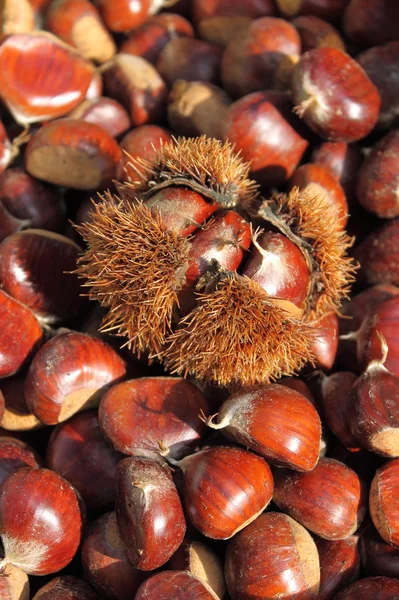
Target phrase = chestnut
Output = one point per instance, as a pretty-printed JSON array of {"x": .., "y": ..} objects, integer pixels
[
  {"x": 124, "y": 15},
  {"x": 35, "y": 269},
  {"x": 143, "y": 142},
  {"x": 69, "y": 374},
  {"x": 348, "y": 114},
  {"x": 225, "y": 489},
  {"x": 275, "y": 421},
  {"x": 77, "y": 451},
  {"x": 16, "y": 415},
  {"x": 334, "y": 392},
  {"x": 103, "y": 111},
  {"x": 384, "y": 501},
  {"x": 105, "y": 562},
  {"x": 325, "y": 344},
  {"x": 73, "y": 153},
  {"x": 222, "y": 30},
  {"x": 316, "y": 33},
  {"x": 66, "y": 587},
  {"x": 40, "y": 521},
  {"x": 16, "y": 454},
  {"x": 148, "y": 512},
  {"x": 325, "y": 9},
  {"x": 135, "y": 415},
  {"x": 342, "y": 161},
  {"x": 339, "y": 565},
  {"x": 371, "y": 22},
  {"x": 20, "y": 335},
  {"x": 174, "y": 585},
  {"x": 329, "y": 501},
  {"x": 378, "y": 557},
  {"x": 378, "y": 255},
  {"x": 41, "y": 94},
  {"x": 189, "y": 59},
  {"x": 274, "y": 557},
  {"x": 207, "y": 9},
  {"x": 373, "y": 588}
]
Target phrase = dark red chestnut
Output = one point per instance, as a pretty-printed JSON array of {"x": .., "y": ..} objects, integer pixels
[
  {"x": 384, "y": 501},
  {"x": 371, "y": 22},
  {"x": 339, "y": 565},
  {"x": 341, "y": 160},
  {"x": 40, "y": 521},
  {"x": 16, "y": 415},
  {"x": 373, "y": 588},
  {"x": 317, "y": 33},
  {"x": 124, "y": 15},
  {"x": 105, "y": 561},
  {"x": 15, "y": 454},
  {"x": 69, "y": 374},
  {"x": 77, "y": 451},
  {"x": 141, "y": 142},
  {"x": 378, "y": 255},
  {"x": 274, "y": 557},
  {"x": 275, "y": 421},
  {"x": 175, "y": 585},
  {"x": 135, "y": 415},
  {"x": 346, "y": 115},
  {"x": 103, "y": 111},
  {"x": 325, "y": 344},
  {"x": 378, "y": 557},
  {"x": 148, "y": 512},
  {"x": 329, "y": 501},
  {"x": 334, "y": 392},
  {"x": 225, "y": 489},
  {"x": 66, "y": 587},
  {"x": 189, "y": 59}
]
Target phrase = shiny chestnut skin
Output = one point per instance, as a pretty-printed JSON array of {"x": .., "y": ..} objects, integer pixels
[
  {"x": 275, "y": 421},
  {"x": 16, "y": 454},
  {"x": 69, "y": 374},
  {"x": 78, "y": 452},
  {"x": 136, "y": 84},
  {"x": 373, "y": 588},
  {"x": 189, "y": 59},
  {"x": 325, "y": 344},
  {"x": 384, "y": 501},
  {"x": 124, "y": 15},
  {"x": 346, "y": 115},
  {"x": 73, "y": 153},
  {"x": 329, "y": 501},
  {"x": 371, "y": 22},
  {"x": 20, "y": 335},
  {"x": 143, "y": 142},
  {"x": 15, "y": 414},
  {"x": 378, "y": 179},
  {"x": 66, "y": 587},
  {"x": 378, "y": 255},
  {"x": 315, "y": 33},
  {"x": 105, "y": 562},
  {"x": 149, "y": 39},
  {"x": 35, "y": 269},
  {"x": 40, "y": 520},
  {"x": 339, "y": 565},
  {"x": 30, "y": 200},
  {"x": 265, "y": 138},
  {"x": 334, "y": 393},
  {"x": 320, "y": 182},
  {"x": 381, "y": 65},
  {"x": 274, "y": 557},
  {"x": 174, "y": 585},
  {"x": 103, "y": 111},
  {"x": 341, "y": 160},
  {"x": 378, "y": 557},
  {"x": 41, "y": 94},
  {"x": 149, "y": 514},
  {"x": 135, "y": 415},
  {"x": 225, "y": 489},
  {"x": 261, "y": 57}
]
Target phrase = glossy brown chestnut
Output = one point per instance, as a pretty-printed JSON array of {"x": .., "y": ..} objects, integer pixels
[
  {"x": 334, "y": 394},
  {"x": 202, "y": 562},
  {"x": 275, "y": 421},
  {"x": 41, "y": 94},
  {"x": 135, "y": 83},
  {"x": 348, "y": 114},
  {"x": 14, "y": 584},
  {"x": 174, "y": 585},
  {"x": 320, "y": 182},
  {"x": 378, "y": 255},
  {"x": 325, "y": 344},
  {"x": 260, "y": 58},
  {"x": 265, "y": 138},
  {"x": 225, "y": 489},
  {"x": 341, "y": 160},
  {"x": 20, "y": 335},
  {"x": 143, "y": 142},
  {"x": 40, "y": 521},
  {"x": 73, "y": 153},
  {"x": 378, "y": 557},
  {"x": 78, "y": 23},
  {"x": 105, "y": 562},
  {"x": 274, "y": 557},
  {"x": 381, "y": 65},
  {"x": 149, "y": 39},
  {"x": 329, "y": 501},
  {"x": 31, "y": 201},
  {"x": 103, "y": 111},
  {"x": 35, "y": 269},
  {"x": 78, "y": 452},
  {"x": 69, "y": 374},
  {"x": 189, "y": 59},
  {"x": 148, "y": 512},
  {"x": 124, "y": 15},
  {"x": 377, "y": 186},
  {"x": 317, "y": 33},
  {"x": 66, "y": 587},
  {"x": 371, "y": 22},
  {"x": 339, "y": 565},
  {"x": 135, "y": 415},
  {"x": 16, "y": 415},
  {"x": 384, "y": 501},
  {"x": 325, "y": 9},
  {"x": 15, "y": 454},
  {"x": 373, "y": 588}
]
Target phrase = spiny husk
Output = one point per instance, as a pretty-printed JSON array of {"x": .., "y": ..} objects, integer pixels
[
  {"x": 206, "y": 165},
  {"x": 134, "y": 267},
  {"x": 309, "y": 220},
  {"x": 237, "y": 335}
]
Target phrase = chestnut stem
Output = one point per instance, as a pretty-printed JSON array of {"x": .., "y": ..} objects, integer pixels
[
  {"x": 209, "y": 420},
  {"x": 379, "y": 362}
]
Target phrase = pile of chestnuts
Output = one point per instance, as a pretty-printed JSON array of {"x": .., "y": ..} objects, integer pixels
[{"x": 199, "y": 300}]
